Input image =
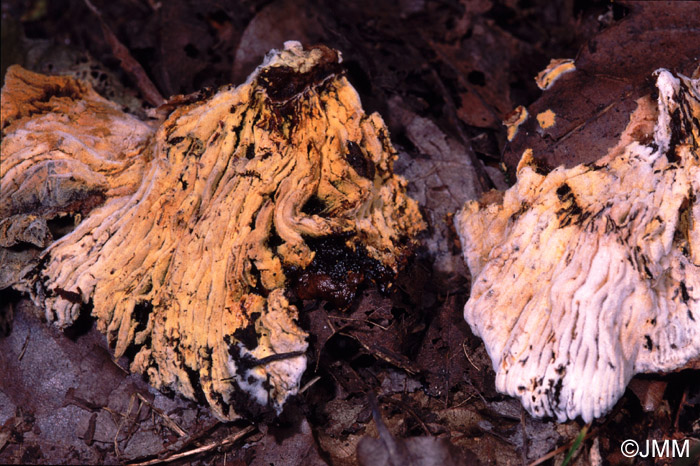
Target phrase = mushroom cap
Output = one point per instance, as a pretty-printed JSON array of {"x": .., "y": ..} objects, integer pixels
[
  {"x": 192, "y": 229},
  {"x": 583, "y": 277}
]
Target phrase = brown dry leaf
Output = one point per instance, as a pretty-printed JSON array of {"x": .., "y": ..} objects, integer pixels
[
  {"x": 442, "y": 178},
  {"x": 277, "y": 22},
  {"x": 413, "y": 451},
  {"x": 292, "y": 446},
  {"x": 450, "y": 354},
  {"x": 649, "y": 392},
  {"x": 592, "y": 105},
  {"x": 484, "y": 81}
]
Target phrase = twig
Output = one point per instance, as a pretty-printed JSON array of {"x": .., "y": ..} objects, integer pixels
[
  {"x": 359, "y": 320},
  {"x": 121, "y": 424},
  {"x": 170, "y": 423},
  {"x": 128, "y": 63},
  {"x": 309, "y": 384},
  {"x": 24, "y": 346},
  {"x": 468, "y": 358},
  {"x": 684, "y": 398},
  {"x": 462, "y": 403},
  {"x": 227, "y": 441},
  {"x": 562, "y": 448}
]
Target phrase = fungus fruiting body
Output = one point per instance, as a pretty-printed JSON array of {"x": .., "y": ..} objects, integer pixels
[
  {"x": 583, "y": 277},
  {"x": 555, "y": 70},
  {"x": 194, "y": 234}
]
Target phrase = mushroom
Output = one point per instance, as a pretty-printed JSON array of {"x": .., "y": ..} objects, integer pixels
[
  {"x": 583, "y": 277},
  {"x": 193, "y": 234},
  {"x": 557, "y": 68}
]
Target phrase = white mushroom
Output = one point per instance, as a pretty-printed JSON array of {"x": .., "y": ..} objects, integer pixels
[{"x": 583, "y": 277}]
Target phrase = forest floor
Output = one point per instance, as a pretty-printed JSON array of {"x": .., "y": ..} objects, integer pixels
[{"x": 443, "y": 74}]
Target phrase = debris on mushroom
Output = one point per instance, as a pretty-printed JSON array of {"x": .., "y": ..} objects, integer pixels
[
  {"x": 188, "y": 238},
  {"x": 513, "y": 121},
  {"x": 583, "y": 277},
  {"x": 557, "y": 68},
  {"x": 546, "y": 119}
]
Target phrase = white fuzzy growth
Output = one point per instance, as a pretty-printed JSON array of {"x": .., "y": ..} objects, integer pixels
[{"x": 587, "y": 276}]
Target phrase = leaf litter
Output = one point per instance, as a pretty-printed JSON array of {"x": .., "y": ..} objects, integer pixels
[{"x": 443, "y": 92}]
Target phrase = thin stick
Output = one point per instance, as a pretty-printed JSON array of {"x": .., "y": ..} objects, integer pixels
[
  {"x": 309, "y": 384},
  {"x": 562, "y": 448},
  {"x": 464, "y": 347},
  {"x": 227, "y": 441},
  {"x": 171, "y": 424},
  {"x": 128, "y": 63},
  {"x": 24, "y": 346}
]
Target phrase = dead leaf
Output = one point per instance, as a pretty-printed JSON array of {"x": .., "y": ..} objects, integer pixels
[
  {"x": 414, "y": 451},
  {"x": 292, "y": 446},
  {"x": 277, "y": 22},
  {"x": 593, "y": 104}
]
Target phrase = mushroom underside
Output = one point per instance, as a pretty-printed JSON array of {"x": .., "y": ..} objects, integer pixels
[
  {"x": 187, "y": 238},
  {"x": 583, "y": 277}
]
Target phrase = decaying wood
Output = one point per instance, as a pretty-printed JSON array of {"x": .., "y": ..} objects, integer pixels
[
  {"x": 583, "y": 277},
  {"x": 191, "y": 235}
]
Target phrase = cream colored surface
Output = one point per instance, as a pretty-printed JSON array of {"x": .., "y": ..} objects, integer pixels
[
  {"x": 546, "y": 119},
  {"x": 584, "y": 277},
  {"x": 555, "y": 70},
  {"x": 513, "y": 121},
  {"x": 201, "y": 218}
]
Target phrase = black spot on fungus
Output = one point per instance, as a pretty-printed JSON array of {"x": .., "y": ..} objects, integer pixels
[
  {"x": 314, "y": 206},
  {"x": 247, "y": 336},
  {"x": 562, "y": 191},
  {"x": 141, "y": 314},
  {"x": 648, "y": 342},
  {"x": 556, "y": 395},
  {"x": 182, "y": 181},
  {"x": 359, "y": 161},
  {"x": 284, "y": 82},
  {"x": 684, "y": 292},
  {"x": 250, "y": 152},
  {"x": 193, "y": 376}
]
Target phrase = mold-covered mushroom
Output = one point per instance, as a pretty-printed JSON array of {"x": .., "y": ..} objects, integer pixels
[
  {"x": 187, "y": 239},
  {"x": 583, "y": 277}
]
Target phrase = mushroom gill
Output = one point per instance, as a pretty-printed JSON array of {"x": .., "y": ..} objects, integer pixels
[
  {"x": 192, "y": 234},
  {"x": 583, "y": 277}
]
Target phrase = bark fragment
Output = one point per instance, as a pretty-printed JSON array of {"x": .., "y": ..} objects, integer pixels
[{"x": 188, "y": 233}]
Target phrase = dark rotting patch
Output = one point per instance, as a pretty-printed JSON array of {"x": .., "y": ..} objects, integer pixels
[
  {"x": 314, "y": 206},
  {"x": 193, "y": 375},
  {"x": 359, "y": 161},
  {"x": 82, "y": 324},
  {"x": 141, "y": 314},
  {"x": 336, "y": 272},
  {"x": 247, "y": 336},
  {"x": 283, "y": 82}
]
